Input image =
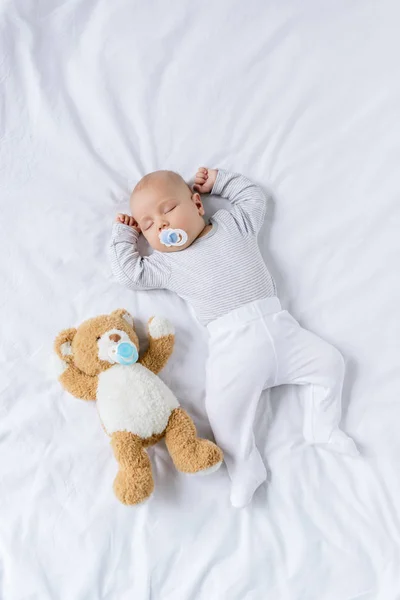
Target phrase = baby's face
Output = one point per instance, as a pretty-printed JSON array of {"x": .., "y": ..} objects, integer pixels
[{"x": 167, "y": 203}]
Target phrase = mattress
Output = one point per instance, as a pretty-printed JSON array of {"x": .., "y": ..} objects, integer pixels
[{"x": 303, "y": 98}]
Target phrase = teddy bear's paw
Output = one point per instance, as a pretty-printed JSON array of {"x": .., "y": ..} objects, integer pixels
[
  {"x": 133, "y": 487},
  {"x": 208, "y": 470},
  {"x": 200, "y": 457},
  {"x": 160, "y": 327},
  {"x": 56, "y": 366}
]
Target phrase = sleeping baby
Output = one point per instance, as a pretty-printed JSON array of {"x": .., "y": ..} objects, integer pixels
[{"x": 253, "y": 344}]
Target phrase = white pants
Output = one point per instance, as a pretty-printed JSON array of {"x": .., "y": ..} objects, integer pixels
[{"x": 256, "y": 347}]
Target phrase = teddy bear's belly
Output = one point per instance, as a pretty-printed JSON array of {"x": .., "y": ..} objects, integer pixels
[{"x": 132, "y": 398}]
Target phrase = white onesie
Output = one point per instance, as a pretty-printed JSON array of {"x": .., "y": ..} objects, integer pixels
[{"x": 253, "y": 344}]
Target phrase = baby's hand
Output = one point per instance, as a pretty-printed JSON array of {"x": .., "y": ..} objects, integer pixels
[
  {"x": 127, "y": 220},
  {"x": 205, "y": 179}
]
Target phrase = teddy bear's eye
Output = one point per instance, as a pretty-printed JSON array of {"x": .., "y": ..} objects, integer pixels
[{"x": 98, "y": 337}]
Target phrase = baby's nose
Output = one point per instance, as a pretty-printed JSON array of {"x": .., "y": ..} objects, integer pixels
[
  {"x": 115, "y": 337},
  {"x": 162, "y": 226}
]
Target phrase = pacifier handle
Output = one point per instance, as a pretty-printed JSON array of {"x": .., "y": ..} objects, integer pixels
[
  {"x": 183, "y": 236},
  {"x": 166, "y": 233},
  {"x": 124, "y": 353}
]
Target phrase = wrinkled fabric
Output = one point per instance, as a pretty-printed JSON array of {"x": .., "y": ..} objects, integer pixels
[{"x": 304, "y": 99}]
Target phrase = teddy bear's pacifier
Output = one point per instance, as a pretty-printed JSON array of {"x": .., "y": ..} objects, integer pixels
[
  {"x": 173, "y": 237},
  {"x": 124, "y": 353}
]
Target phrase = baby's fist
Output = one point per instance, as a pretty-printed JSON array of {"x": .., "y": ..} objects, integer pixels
[
  {"x": 204, "y": 180},
  {"x": 127, "y": 220}
]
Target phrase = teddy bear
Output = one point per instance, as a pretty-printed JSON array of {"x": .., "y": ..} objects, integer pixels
[{"x": 100, "y": 362}]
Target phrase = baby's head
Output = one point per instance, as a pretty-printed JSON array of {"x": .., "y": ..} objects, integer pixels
[{"x": 163, "y": 200}]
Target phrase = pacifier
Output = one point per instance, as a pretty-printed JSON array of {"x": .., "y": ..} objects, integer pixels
[
  {"x": 173, "y": 237},
  {"x": 124, "y": 353}
]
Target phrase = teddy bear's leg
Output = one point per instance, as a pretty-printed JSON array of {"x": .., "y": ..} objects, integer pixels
[
  {"x": 134, "y": 480},
  {"x": 189, "y": 453}
]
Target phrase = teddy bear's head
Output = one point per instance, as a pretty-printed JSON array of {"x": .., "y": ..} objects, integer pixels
[{"x": 92, "y": 348}]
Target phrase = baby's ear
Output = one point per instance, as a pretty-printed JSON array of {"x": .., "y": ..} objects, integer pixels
[
  {"x": 121, "y": 313},
  {"x": 196, "y": 199},
  {"x": 62, "y": 344}
]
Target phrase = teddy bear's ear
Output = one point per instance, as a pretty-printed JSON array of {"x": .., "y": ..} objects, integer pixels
[
  {"x": 121, "y": 313},
  {"x": 62, "y": 344}
]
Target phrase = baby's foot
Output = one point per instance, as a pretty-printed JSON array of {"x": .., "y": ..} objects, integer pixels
[
  {"x": 242, "y": 493},
  {"x": 341, "y": 443},
  {"x": 247, "y": 479}
]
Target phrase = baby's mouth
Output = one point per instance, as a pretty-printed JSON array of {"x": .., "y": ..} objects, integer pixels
[{"x": 173, "y": 237}]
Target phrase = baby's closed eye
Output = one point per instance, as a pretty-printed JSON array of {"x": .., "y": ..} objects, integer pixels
[{"x": 146, "y": 225}]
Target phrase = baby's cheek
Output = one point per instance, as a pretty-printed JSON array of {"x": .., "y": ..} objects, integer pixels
[
  {"x": 154, "y": 242},
  {"x": 148, "y": 237},
  {"x": 185, "y": 222}
]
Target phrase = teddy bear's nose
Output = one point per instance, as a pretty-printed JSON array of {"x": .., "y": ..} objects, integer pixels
[{"x": 115, "y": 337}]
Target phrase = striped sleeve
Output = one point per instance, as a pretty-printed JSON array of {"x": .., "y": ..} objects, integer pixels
[
  {"x": 129, "y": 268},
  {"x": 248, "y": 200}
]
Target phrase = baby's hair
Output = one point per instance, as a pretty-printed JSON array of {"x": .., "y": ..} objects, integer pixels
[{"x": 151, "y": 177}]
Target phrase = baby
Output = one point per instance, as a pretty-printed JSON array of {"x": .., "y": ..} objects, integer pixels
[{"x": 253, "y": 344}]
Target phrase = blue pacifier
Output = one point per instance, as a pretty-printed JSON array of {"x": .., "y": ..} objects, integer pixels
[
  {"x": 173, "y": 237},
  {"x": 124, "y": 353}
]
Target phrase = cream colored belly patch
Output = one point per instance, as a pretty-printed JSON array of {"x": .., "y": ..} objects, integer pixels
[{"x": 132, "y": 398}]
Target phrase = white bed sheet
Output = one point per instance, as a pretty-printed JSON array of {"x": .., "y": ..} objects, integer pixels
[{"x": 303, "y": 97}]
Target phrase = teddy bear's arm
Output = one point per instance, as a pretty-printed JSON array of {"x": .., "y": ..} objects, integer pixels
[
  {"x": 79, "y": 384},
  {"x": 161, "y": 345}
]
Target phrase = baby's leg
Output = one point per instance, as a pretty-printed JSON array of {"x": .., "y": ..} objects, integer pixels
[
  {"x": 237, "y": 366},
  {"x": 307, "y": 360}
]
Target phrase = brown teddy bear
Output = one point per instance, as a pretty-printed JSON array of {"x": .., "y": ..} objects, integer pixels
[{"x": 101, "y": 362}]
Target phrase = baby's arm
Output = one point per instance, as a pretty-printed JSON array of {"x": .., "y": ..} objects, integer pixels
[
  {"x": 248, "y": 199},
  {"x": 128, "y": 267}
]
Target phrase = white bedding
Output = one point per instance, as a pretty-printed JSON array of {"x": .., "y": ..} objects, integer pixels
[{"x": 303, "y": 97}]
